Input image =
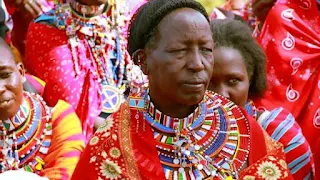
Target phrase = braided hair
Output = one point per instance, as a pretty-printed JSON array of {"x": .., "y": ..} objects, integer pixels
[
  {"x": 144, "y": 23},
  {"x": 235, "y": 34}
]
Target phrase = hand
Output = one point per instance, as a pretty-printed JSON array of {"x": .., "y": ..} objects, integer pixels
[
  {"x": 31, "y": 7},
  {"x": 261, "y": 8}
]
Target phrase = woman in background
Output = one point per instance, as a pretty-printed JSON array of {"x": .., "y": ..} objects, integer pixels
[
  {"x": 79, "y": 50},
  {"x": 239, "y": 74}
]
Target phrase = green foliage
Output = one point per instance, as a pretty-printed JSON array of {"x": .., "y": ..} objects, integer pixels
[{"x": 210, "y": 4}]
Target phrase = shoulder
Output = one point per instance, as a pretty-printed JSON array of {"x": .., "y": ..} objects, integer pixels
[
  {"x": 47, "y": 18},
  {"x": 278, "y": 117},
  {"x": 46, "y": 26}
]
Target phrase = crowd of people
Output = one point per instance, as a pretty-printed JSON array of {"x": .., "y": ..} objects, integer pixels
[{"x": 159, "y": 89}]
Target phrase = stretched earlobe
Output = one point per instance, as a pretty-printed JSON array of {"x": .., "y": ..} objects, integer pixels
[
  {"x": 21, "y": 70},
  {"x": 139, "y": 58}
]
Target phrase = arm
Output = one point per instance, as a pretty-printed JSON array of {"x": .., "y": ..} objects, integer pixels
[
  {"x": 66, "y": 145},
  {"x": 282, "y": 127}
]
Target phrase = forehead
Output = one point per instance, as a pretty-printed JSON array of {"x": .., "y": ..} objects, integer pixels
[
  {"x": 6, "y": 56},
  {"x": 228, "y": 56},
  {"x": 185, "y": 23}
]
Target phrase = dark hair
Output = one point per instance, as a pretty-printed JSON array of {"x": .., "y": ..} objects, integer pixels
[
  {"x": 235, "y": 34},
  {"x": 143, "y": 25}
]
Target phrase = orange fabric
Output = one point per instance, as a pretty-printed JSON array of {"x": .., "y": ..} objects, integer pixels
[{"x": 67, "y": 143}]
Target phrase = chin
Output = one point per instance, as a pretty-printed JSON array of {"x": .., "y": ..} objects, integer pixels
[
  {"x": 6, "y": 114},
  {"x": 193, "y": 99}
]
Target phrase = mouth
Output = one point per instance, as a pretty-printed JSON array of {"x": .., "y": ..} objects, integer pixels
[
  {"x": 196, "y": 86},
  {"x": 5, "y": 103}
]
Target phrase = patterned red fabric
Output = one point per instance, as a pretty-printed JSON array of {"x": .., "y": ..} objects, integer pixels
[{"x": 290, "y": 37}]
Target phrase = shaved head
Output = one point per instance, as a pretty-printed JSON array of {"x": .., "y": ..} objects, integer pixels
[{"x": 6, "y": 52}]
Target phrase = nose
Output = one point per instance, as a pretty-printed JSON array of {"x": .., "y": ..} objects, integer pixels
[
  {"x": 223, "y": 91},
  {"x": 195, "y": 62}
]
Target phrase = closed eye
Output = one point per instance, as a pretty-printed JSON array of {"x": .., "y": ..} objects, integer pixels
[{"x": 207, "y": 49}]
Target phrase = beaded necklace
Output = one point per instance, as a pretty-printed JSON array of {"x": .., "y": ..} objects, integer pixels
[
  {"x": 99, "y": 32},
  {"x": 214, "y": 143},
  {"x": 24, "y": 146},
  {"x": 103, "y": 32}
]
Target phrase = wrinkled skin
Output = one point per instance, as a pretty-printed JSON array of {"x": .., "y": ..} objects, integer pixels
[{"x": 179, "y": 63}]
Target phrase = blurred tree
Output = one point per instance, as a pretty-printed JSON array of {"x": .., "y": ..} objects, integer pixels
[{"x": 210, "y": 4}]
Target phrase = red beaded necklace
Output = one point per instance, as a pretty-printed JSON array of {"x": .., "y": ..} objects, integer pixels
[{"x": 25, "y": 146}]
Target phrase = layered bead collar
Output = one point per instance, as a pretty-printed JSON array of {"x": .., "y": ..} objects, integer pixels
[
  {"x": 170, "y": 124},
  {"x": 19, "y": 119}
]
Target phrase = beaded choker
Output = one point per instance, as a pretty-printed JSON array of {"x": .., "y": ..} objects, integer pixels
[
  {"x": 214, "y": 144},
  {"x": 26, "y": 145},
  {"x": 168, "y": 124}
]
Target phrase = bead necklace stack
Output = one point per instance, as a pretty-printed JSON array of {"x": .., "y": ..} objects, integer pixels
[
  {"x": 26, "y": 138},
  {"x": 211, "y": 142},
  {"x": 100, "y": 30}
]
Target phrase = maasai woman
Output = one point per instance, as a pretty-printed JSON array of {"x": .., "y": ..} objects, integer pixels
[
  {"x": 290, "y": 38},
  {"x": 175, "y": 130},
  {"x": 34, "y": 137},
  {"x": 240, "y": 72},
  {"x": 79, "y": 51}
]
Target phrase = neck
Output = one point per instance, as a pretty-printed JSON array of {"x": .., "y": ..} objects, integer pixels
[
  {"x": 167, "y": 107},
  {"x": 87, "y": 11},
  {"x": 19, "y": 118}
]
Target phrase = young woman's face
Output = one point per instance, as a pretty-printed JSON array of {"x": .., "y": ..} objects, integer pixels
[{"x": 230, "y": 76}]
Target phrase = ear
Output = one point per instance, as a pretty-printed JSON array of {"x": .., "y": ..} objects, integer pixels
[
  {"x": 21, "y": 70},
  {"x": 140, "y": 59}
]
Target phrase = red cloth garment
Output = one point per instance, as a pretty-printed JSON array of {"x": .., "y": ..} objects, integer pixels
[
  {"x": 282, "y": 127},
  {"x": 290, "y": 37},
  {"x": 125, "y": 148}
]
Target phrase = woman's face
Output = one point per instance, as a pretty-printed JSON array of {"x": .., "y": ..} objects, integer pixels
[
  {"x": 11, "y": 80},
  {"x": 180, "y": 63},
  {"x": 230, "y": 76}
]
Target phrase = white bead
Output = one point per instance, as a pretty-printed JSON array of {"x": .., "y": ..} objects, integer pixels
[
  {"x": 187, "y": 153},
  {"x": 181, "y": 170},
  {"x": 176, "y": 161}
]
